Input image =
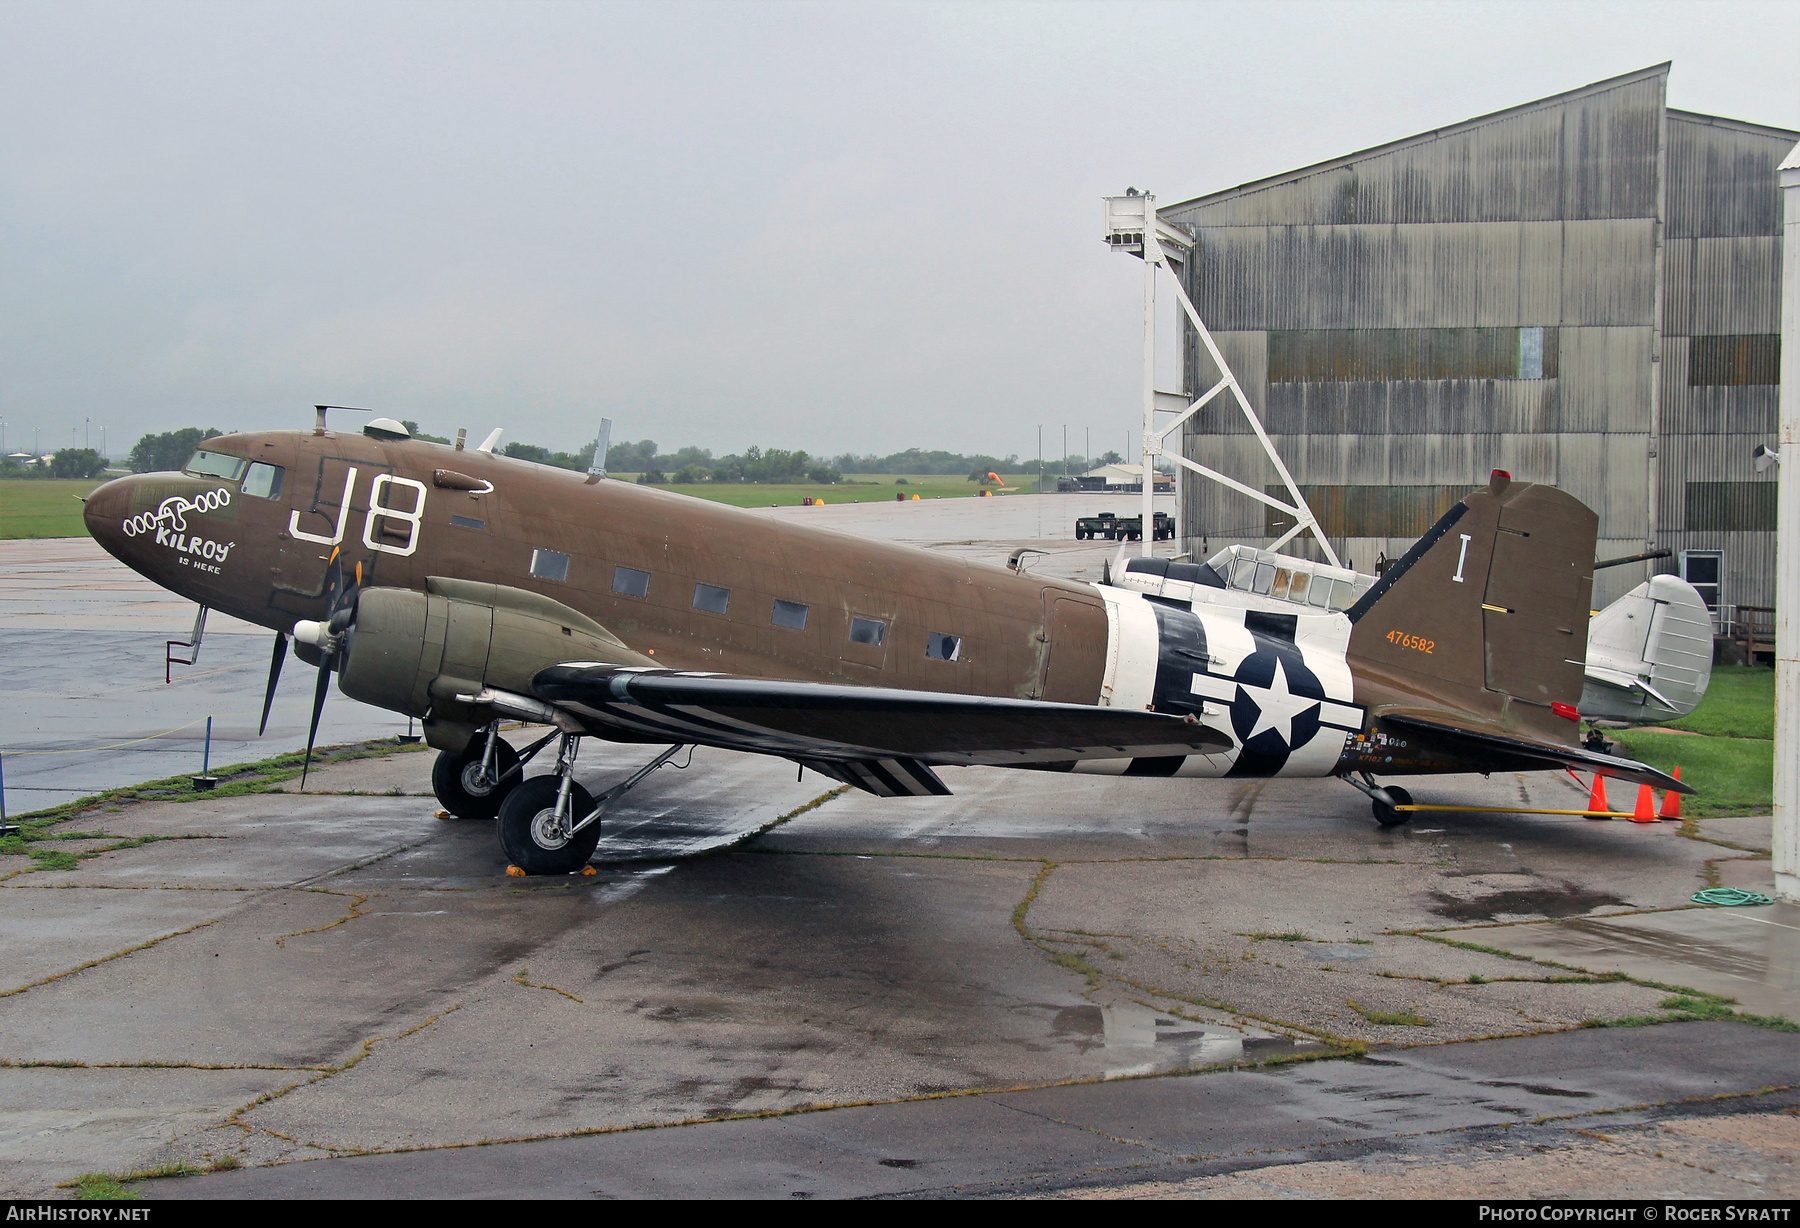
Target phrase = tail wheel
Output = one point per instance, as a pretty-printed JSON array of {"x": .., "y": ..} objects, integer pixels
[
  {"x": 457, "y": 780},
  {"x": 532, "y": 838},
  {"x": 1386, "y": 815}
]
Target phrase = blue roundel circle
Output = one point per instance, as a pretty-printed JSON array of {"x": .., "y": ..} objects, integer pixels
[{"x": 1276, "y": 709}]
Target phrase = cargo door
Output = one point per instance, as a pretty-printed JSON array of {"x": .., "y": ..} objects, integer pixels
[{"x": 1075, "y": 632}]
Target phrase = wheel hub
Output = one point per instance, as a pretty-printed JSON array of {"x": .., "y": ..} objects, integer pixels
[
  {"x": 546, "y": 831},
  {"x": 475, "y": 782}
]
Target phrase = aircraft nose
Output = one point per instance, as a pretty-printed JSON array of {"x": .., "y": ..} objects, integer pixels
[{"x": 106, "y": 510}]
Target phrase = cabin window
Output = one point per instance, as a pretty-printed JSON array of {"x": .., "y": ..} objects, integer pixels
[
  {"x": 630, "y": 582},
  {"x": 264, "y": 481},
  {"x": 204, "y": 464},
  {"x": 710, "y": 599},
  {"x": 789, "y": 614},
  {"x": 549, "y": 565},
  {"x": 941, "y": 647},
  {"x": 467, "y": 522},
  {"x": 869, "y": 631}
]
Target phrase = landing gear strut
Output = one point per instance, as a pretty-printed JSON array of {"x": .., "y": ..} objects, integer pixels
[
  {"x": 471, "y": 783},
  {"x": 1384, "y": 799},
  {"x": 550, "y": 824}
]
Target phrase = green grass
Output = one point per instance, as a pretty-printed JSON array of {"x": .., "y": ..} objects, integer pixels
[
  {"x": 1733, "y": 764},
  {"x": 103, "y": 1187},
  {"x": 1730, "y": 775},
  {"x": 1739, "y": 703},
  {"x": 1404, "y": 1019},
  {"x": 46, "y": 507},
  {"x": 879, "y": 488}
]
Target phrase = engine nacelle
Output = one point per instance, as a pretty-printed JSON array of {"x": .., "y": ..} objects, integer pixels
[{"x": 415, "y": 652}]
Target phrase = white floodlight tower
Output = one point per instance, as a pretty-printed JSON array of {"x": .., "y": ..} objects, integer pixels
[
  {"x": 1785, "y": 840},
  {"x": 1132, "y": 226}
]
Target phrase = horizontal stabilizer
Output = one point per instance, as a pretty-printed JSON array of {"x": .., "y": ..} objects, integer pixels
[
  {"x": 1479, "y": 744},
  {"x": 816, "y": 723}
]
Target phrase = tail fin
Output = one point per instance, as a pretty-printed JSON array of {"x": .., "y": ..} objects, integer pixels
[{"x": 1490, "y": 606}]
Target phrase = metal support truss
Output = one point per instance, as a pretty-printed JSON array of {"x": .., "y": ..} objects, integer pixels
[{"x": 1132, "y": 226}]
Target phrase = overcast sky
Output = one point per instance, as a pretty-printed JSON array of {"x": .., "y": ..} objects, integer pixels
[{"x": 830, "y": 226}]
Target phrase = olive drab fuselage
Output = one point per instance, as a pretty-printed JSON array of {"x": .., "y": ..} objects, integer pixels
[{"x": 695, "y": 585}]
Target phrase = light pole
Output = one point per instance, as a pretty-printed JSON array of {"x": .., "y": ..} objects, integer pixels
[{"x": 1785, "y": 842}]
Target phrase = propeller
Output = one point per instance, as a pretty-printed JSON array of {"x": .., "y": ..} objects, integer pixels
[
  {"x": 281, "y": 643},
  {"x": 330, "y": 636}
]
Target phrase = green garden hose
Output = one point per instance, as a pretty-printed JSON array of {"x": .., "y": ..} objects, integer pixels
[{"x": 1729, "y": 896}]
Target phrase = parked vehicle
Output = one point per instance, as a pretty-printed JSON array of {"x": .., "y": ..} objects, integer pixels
[{"x": 1123, "y": 528}]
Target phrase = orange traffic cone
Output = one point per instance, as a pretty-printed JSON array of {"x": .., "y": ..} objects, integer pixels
[
  {"x": 1646, "y": 806},
  {"x": 1671, "y": 807},
  {"x": 1598, "y": 808}
]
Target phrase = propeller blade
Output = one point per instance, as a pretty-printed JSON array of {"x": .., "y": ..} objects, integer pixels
[
  {"x": 312, "y": 732},
  {"x": 334, "y": 582},
  {"x": 281, "y": 644}
]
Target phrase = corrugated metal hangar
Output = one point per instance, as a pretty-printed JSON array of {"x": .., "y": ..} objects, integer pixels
[{"x": 1584, "y": 290}]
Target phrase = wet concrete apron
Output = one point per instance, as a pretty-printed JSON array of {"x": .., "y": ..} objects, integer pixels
[
  {"x": 1139, "y": 1136},
  {"x": 343, "y": 973}
]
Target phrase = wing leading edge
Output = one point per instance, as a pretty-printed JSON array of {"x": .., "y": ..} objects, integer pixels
[{"x": 880, "y": 739}]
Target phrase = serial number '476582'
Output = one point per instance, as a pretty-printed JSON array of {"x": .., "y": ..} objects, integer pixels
[{"x": 1411, "y": 641}]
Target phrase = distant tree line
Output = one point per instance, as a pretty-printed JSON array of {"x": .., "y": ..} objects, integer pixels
[
  {"x": 64, "y": 463},
  {"x": 171, "y": 449}
]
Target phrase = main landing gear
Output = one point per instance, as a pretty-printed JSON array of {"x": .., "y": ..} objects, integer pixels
[
  {"x": 550, "y": 824},
  {"x": 1384, "y": 798},
  {"x": 472, "y": 782}
]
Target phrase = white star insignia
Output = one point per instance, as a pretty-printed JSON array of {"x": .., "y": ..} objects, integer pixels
[{"x": 1277, "y": 707}]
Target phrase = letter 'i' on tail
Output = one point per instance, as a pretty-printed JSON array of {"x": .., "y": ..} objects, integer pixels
[{"x": 1488, "y": 612}]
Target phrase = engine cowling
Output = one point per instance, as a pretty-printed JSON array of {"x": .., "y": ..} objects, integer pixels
[{"x": 414, "y": 652}]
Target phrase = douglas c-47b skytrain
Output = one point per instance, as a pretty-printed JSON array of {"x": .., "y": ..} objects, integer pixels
[{"x": 464, "y": 588}]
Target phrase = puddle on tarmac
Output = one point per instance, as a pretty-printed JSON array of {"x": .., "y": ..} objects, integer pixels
[
  {"x": 1137, "y": 1040},
  {"x": 1550, "y": 900}
]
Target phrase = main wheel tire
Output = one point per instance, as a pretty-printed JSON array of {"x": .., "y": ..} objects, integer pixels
[
  {"x": 1386, "y": 815},
  {"x": 529, "y": 833},
  {"x": 453, "y": 779}
]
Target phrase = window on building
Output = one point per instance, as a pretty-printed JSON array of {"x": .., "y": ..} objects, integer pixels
[
  {"x": 1333, "y": 355},
  {"x": 869, "y": 631},
  {"x": 710, "y": 599},
  {"x": 941, "y": 647},
  {"x": 1367, "y": 511},
  {"x": 1734, "y": 361},
  {"x": 630, "y": 582},
  {"x": 1731, "y": 507},
  {"x": 549, "y": 565},
  {"x": 1702, "y": 568},
  {"x": 789, "y": 614},
  {"x": 264, "y": 481}
]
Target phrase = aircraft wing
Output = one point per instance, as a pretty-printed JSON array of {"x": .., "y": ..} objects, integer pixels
[
  {"x": 880, "y": 739},
  {"x": 1479, "y": 742}
]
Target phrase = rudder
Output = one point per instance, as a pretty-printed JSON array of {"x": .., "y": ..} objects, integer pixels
[{"x": 1492, "y": 603}]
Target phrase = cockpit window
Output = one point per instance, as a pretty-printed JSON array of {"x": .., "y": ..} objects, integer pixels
[
  {"x": 264, "y": 481},
  {"x": 204, "y": 464}
]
